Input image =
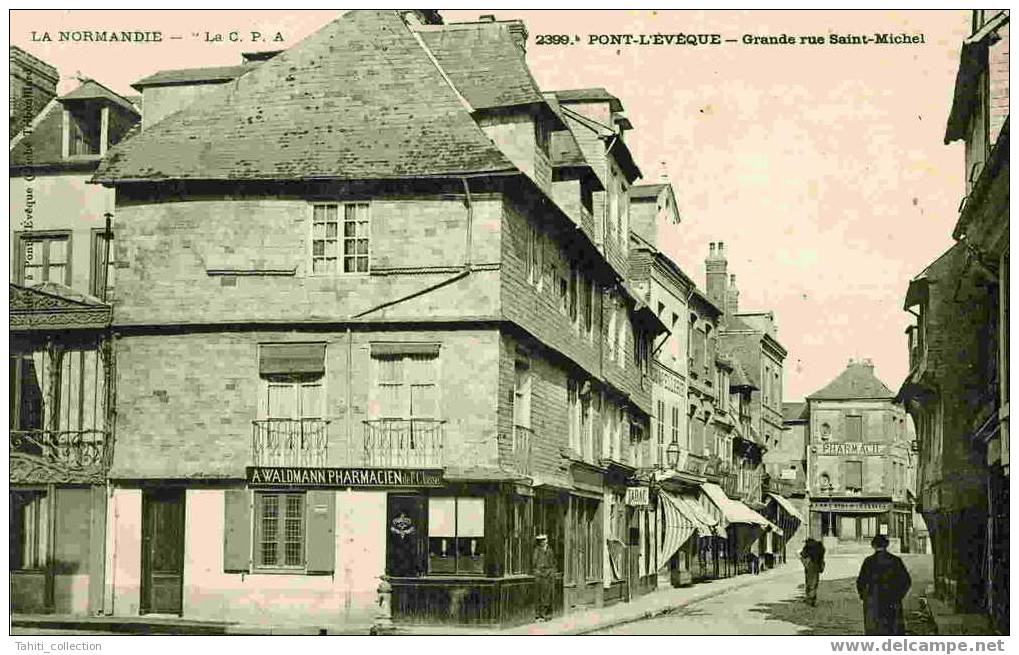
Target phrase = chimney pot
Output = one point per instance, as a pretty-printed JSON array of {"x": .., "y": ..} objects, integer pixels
[
  {"x": 732, "y": 278},
  {"x": 720, "y": 246},
  {"x": 487, "y": 18},
  {"x": 712, "y": 247}
]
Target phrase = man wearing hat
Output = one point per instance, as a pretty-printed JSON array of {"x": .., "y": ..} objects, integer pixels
[
  {"x": 544, "y": 575},
  {"x": 882, "y": 584}
]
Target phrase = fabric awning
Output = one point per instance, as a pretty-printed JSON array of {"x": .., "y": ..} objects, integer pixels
[
  {"x": 678, "y": 528},
  {"x": 787, "y": 506},
  {"x": 698, "y": 516},
  {"x": 404, "y": 349},
  {"x": 733, "y": 511},
  {"x": 292, "y": 358}
]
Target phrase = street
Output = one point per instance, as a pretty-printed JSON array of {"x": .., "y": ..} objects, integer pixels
[{"x": 775, "y": 606}]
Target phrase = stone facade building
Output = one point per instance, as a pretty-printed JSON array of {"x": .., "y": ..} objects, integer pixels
[
  {"x": 424, "y": 307},
  {"x": 859, "y": 452}
]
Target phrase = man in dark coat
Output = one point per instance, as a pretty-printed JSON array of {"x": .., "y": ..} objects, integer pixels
[
  {"x": 882, "y": 584},
  {"x": 544, "y": 576},
  {"x": 812, "y": 557}
]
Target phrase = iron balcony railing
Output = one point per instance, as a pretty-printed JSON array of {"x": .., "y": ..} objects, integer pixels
[
  {"x": 516, "y": 451},
  {"x": 82, "y": 451},
  {"x": 290, "y": 442},
  {"x": 403, "y": 443}
]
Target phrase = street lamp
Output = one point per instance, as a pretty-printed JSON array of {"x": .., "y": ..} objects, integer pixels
[{"x": 672, "y": 455}]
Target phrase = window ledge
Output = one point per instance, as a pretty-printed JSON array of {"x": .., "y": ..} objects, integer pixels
[{"x": 280, "y": 571}]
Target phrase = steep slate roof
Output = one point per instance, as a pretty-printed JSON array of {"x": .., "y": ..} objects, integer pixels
[
  {"x": 92, "y": 90},
  {"x": 208, "y": 74},
  {"x": 646, "y": 191},
  {"x": 856, "y": 382},
  {"x": 589, "y": 95},
  {"x": 484, "y": 63},
  {"x": 739, "y": 377},
  {"x": 794, "y": 412},
  {"x": 359, "y": 99}
]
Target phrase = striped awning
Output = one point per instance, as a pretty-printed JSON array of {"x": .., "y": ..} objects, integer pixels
[
  {"x": 787, "y": 506},
  {"x": 733, "y": 511},
  {"x": 678, "y": 528}
]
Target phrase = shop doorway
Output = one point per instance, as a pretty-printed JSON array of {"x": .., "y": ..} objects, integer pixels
[
  {"x": 406, "y": 532},
  {"x": 162, "y": 551}
]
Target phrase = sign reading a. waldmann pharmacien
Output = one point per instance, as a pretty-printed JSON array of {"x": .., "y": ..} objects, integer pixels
[
  {"x": 343, "y": 477},
  {"x": 849, "y": 448}
]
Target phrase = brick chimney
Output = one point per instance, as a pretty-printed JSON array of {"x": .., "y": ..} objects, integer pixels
[
  {"x": 732, "y": 297},
  {"x": 715, "y": 274},
  {"x": 518, "y": 31}
]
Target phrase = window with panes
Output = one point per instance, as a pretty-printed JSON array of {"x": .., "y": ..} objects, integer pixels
[
  {"x": 518, "y": 535},
  {"x": 29, "y": 528},
  {"x": 456, "y": 535},
  {"x": 101, "y": 278},
  {"x": 279, "y": 530},
  {"x": 340, "y": 239},
  {"x": 44, "y": 257},
  {"x": 675, "y": 424},
  {"x": 573, "y": 414},
  {"x": 406, "y": 385}
]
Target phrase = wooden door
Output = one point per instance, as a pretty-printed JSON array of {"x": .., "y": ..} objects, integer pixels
[{"x": 162, "y": 551}]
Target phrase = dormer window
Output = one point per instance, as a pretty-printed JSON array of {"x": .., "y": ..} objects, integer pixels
[{"x": 84, "y": 131}]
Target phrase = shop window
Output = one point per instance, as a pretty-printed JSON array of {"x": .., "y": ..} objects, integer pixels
[
  {"x": 279, "y": 530},
  {"x": 28, "y": 529},
  {"x": 43, "y": 257},
  {"x": 456, "y": 535},
  {"x": 586, "y": 563},
  {"x": 331, "y": 252}
]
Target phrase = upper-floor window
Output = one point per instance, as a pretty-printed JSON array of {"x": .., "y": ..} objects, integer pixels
[
  {"x": 331, "y": 252},
  {"x": 675, "y": 424},
  {"x": 623, "y": 337},
  {"x": 292, "y": 376},
  {"x": 406, "y": 381},
  {"x": 84, "y": 130},
  {"x": 852, "y": 475},
  {"x": 101, "y": 278},
  {"x": 573, "y": 413},
  {"x": 708, "y": 350},
  {"x": 522, "y": 394},
  {"x": 854, "y": 428},
  {"x": 575, "y": 276},
  {"x": 586, "y": 305},
  {"x": 612, "y": 335},
  {"x": 42, "y": 257}
]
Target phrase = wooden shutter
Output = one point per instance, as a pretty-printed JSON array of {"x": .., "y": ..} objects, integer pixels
[
  {"x": 321, "y": 531},
  {"x": 236, "y": 531}
]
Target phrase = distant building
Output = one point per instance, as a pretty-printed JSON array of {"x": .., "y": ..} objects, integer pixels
[{"x": 858, "y": 455}]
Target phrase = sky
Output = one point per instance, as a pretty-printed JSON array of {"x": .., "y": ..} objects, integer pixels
[{"x": 821, "y": 167}]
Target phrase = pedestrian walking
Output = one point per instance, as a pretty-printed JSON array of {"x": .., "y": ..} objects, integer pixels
[
  {"x": 882, "y": 584},
  {"x": 544, "y": 575},
  {"x": 812, "y": 557}
]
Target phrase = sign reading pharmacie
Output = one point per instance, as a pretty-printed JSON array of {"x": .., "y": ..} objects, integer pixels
[
  {"x": 372, "y": 478},
  {"x": 849, "y": 448}
]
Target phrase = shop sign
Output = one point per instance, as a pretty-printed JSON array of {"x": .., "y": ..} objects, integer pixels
[
  {"x": 849, "y": 506},
  {"x": 638, "y": 496},
  {"x": 343, "y": 477},
  {"x": 850, "y": 448}
]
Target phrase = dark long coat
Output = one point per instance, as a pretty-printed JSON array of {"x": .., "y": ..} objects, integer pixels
[
  {"x": 882, "y": 584},
  {"x": 544, "y": 567}
]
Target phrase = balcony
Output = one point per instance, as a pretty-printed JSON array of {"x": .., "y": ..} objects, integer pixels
[
  {"x": 402, "y": 443},
  {"x": 688, "y": 462},
  {"x": 59, "y": 456},
  {"x": 516, "y": 450},
  {"x": 290, "y": 442}
]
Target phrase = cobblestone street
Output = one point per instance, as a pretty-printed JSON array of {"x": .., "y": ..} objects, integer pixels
[{"x": 775, "y": 606}]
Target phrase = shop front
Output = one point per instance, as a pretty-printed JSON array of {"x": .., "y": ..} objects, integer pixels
[
  {"x": 584, "y": 549},
  {"x": 852, "y": 519},
  {"x": 744, "y": 529}
]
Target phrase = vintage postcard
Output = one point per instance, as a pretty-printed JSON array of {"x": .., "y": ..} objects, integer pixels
[{"x": 509, "y": 322}]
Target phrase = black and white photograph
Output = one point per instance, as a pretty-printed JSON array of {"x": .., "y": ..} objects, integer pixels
[{"x": 509, "y": 322}]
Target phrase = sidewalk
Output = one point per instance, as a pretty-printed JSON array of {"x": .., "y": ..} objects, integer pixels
[
  {"x": 169, "y": 625},
  {"x": 654, "y": 604},
  {"x": 952, "y": 623}
]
